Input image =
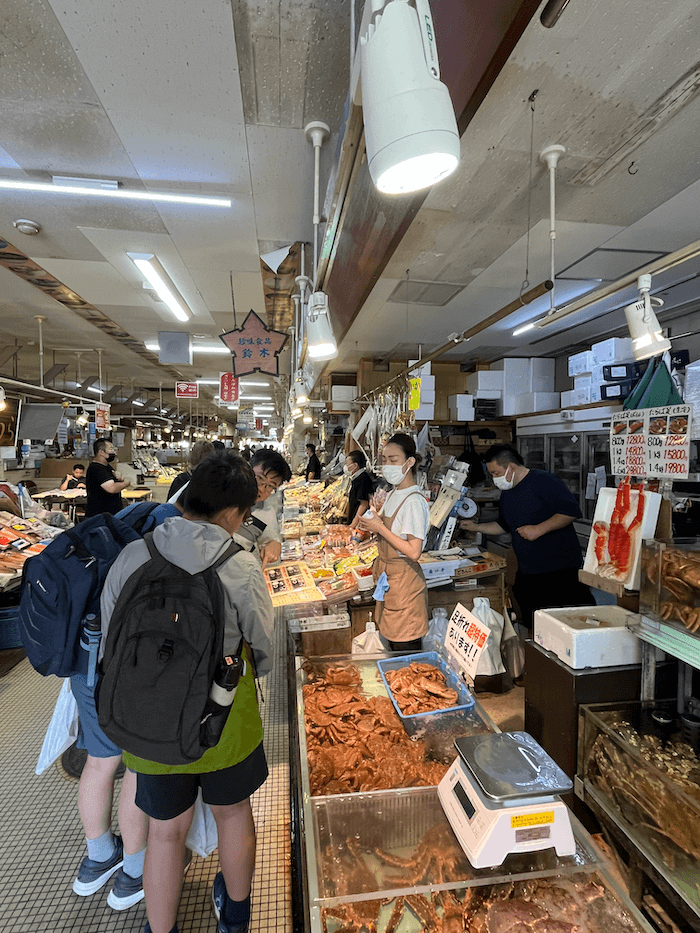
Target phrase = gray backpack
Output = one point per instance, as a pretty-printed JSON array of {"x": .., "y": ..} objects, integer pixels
[{"x": 165, "y": 641}]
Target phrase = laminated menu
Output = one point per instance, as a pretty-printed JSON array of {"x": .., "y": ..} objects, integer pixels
[
  {"x": 652, "y": 442},
  {"x": 290, "y": 584}
]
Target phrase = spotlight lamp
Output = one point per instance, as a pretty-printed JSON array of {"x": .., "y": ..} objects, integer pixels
[
  {"x": 3, "y": 399},
  {"x": 647, "y": 337},
  {"x": 300, "y": 389},
  {"x": 410, "y": 127},
  {"x": 307, "y": 419},
  {"x": 320, "y": 341},
  {"x": 82, "y": 418}
]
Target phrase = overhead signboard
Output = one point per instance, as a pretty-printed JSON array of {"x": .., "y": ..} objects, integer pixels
[
  {"x": 255, "y": 347},
  {"x": 228, "y": 388},
  {"x": 186, "y": 390},
  {"x": 102, "y": 416}
]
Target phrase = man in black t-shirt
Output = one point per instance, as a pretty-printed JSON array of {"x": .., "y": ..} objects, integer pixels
[
  {"x": 313, "y": 467},
  {"x": 361, "y": 487},
  {"x": 75, "y": 478},
  {"x": 539, "y": 512},
  {"x": 104, "y": 486}
]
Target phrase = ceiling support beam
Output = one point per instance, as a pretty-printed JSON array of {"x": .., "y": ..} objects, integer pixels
[
  {"x": 112, "y": 393},
  {"x": 50, "y": 376},
  {"x": 7, "y": 353}
]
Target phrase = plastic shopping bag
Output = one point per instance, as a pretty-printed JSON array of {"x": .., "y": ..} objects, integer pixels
[
  {"x": 203, "y": 837},
  {"x": 513, "y": 650},
  {"x": 490, "y": 662},
  {"x": 62, "y": 731},
  {"x": 369, "y": 642}
]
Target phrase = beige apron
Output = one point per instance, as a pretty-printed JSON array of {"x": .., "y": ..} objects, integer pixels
[{"x": 403, "y": 615}]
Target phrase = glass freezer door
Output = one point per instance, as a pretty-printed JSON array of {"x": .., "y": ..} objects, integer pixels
[
  {"x": 597, "y": 455},
  {"x": 565, "y": 460},
  {"x": 531, "y": 449}
]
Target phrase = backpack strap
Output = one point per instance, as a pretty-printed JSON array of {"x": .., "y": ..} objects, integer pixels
[{"x": 232, "y": 549}]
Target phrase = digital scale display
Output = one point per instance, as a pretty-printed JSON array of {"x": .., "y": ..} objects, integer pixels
[{"x": 464, "y": 800}]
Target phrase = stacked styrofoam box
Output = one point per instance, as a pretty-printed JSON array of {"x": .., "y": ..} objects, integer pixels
[
  {"x": 581, "y": 363},
  {"x": 427, "y": 390},
  {"x": 576, "y": 397},
  {"x": 426, "y": 408},
  {"x": 421, "y": 371},
  {"x": 485, "y": 380},
  {"x": 541, "y": 377},
  {"x": 613, "y": 350},
  {"x": 530, "y": 402},
  {"x": 516, "y": 376},
  {"x": 461, "y": 407}
]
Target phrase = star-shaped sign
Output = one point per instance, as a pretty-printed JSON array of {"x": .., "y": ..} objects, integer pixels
[{"x": 255, "y": 347}]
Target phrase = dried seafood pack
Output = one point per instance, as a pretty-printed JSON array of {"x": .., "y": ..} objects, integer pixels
[
  {"x": 671, "y": 582},
  {"x": 356, "y": 742},
  {"x": 653, "y": 798},
  {"x": 574, "y": 904}
]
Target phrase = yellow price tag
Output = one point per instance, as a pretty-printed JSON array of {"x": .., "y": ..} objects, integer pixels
[
  {"x": 531, "y": 819},
  {"x": 414, "y": 394}
]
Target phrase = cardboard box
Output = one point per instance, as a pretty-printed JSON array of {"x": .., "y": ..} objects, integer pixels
[
  {"x": 488, "y": 380},
  {"x": 541, "y": 376},
  {"x": 581, "y": 363},
  {"x": 613, "y": 350},
  {"x": 617, "y": 372},
  {"x": 617, "y": 390},
  {"x": 576, "y": 397}
]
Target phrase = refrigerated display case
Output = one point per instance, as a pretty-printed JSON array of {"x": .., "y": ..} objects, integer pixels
[{"x": 532, "y": 450}]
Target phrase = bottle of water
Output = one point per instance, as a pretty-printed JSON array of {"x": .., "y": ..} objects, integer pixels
[
  {"x": 223, "y": 690},
  {"x": 90, "y": 639}
]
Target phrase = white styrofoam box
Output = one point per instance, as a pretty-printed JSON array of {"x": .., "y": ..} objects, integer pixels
[
  {"x": 489, "y": 380},
  {"x": 583, "y": 382},
  {"x": 575, "y": 397},
  {"x": 421, "y": 371},
  {"x": 456, "y": 400},
  {"x": 545, "y": 401},
  {"x": 343, "y": 393},
  {"x": 596, "y": 395},
  {"x": 463, "y": 413},
  {"x": 427, "y": 396},
  {"x": 488, "y": 394},
  {"x": 425, "y": 413},
  {"x": 510, "y": 404},
  {"x": 541, "y": 375},
  {"x": 613, "y": 350},
  {"x": 427, "y": 382},
  {"x": 524, "y": 403},
  {"x": 516, "y": 374},
  {"x": 578, "y": 643},
  {"x": 581, "y": 363}
]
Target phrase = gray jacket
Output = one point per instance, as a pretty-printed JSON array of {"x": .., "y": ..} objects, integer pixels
[
  {"x": 260, "y": 530},
  {"x": 194, "y": 546}
]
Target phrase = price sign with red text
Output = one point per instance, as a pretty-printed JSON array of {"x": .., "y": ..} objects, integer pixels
[
  {"x": 228, "y": 387},
  {"x": 102, "y": 416},
  {"x": 465, "y": 639},
  {"x": 652, "y": 442}
]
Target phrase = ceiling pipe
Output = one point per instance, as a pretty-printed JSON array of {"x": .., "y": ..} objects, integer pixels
[
  {"x": 39, "y": 318},
  {"x": 456, "y": 339},
  {"x": 39, "y": 391},
  {"x": 317, "y": 133},
  {"x": 550, "y": 156}
]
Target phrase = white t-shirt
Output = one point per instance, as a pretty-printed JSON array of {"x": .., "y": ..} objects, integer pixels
[{"x": 413, "y": 518}]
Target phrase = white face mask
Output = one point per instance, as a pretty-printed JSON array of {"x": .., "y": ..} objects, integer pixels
[
  {"x": 346, "y": 470},
  {"x": 502, "y": 482},
  {"x": 393, "y": 474}
]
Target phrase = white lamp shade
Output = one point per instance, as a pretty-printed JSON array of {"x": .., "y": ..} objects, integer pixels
[
  {"x": 320, "y": 341},
  {"x": 410, "y": 128},
  {"x": 645, "y": 331}
]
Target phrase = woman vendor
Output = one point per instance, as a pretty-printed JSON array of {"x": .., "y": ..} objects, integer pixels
[{"x": 402, "y": 527}]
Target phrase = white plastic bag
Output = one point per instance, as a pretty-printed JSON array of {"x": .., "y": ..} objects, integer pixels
[
  {"x": 369, "y": 642},
  {"x": 62, "y": 731},
  {"x": 203, "y": 837},
  {"x": 490, "y": 662}
]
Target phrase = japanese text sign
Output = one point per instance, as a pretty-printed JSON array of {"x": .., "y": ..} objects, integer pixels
[
  {"x": 255, "y": 347},
  {"x": 186, "y": 390},
  {"x": 465, "y": 639},
  {"x": 228, "y": 389},
  {"x": 414, "y": 394},
  {"x": 652, "y": 442},
  {"x": 102, "y": 416}
]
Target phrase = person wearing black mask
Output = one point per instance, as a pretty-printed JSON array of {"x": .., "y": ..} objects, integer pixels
[{"x": 104, "y": 486}]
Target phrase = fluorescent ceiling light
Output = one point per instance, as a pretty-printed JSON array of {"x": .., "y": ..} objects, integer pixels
[
  {"x": 136, "y": 402},
  {"x": 148, "y": 265},
  {"x": 256, "y": 398},
  {"x": 246, "y": 384},
  {"x": 78, "y": 186},
  {"x": 207, "y": 382},
  {"x": 195, "y": 349},
  {"x": 521, "y": 330}
]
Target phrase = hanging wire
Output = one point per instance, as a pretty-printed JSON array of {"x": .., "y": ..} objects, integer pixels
[
  {"x": 233, "y": 302},
  {"x": 407, "y": 271},
  {"x": 526, "y": 280}
]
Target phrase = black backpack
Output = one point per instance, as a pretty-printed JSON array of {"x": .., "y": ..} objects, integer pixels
[
  {"x": 164, "y": 643},
  {"x": 63, "y": 583}
]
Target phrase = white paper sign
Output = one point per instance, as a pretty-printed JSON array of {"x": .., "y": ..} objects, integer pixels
[
  {"x": 652, "y": 442},
  {"x": 466, "y": 639}
]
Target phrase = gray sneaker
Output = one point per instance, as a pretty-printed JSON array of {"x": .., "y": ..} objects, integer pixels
[
  {"x": 126, "y": 891},
  {"x": 94, "y": 875}
]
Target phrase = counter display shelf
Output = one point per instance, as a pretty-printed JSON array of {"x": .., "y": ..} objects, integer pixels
[
  {"x": 387, "y": 859},
  {"x": 650, "y": 792}
]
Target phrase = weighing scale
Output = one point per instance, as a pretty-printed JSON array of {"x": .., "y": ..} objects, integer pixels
[{"x": 499, "y": 796}]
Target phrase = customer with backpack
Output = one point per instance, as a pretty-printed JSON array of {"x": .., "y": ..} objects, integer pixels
[
  {"x": 103, "y": 485},
  {"x": 261, "y": 531},
  {"x": 222, "y": 491}
]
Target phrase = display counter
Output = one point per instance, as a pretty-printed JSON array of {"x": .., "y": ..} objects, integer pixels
[{"x": 374, "y": 850}]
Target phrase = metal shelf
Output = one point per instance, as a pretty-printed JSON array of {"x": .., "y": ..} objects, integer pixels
[{"x": 669, "y": 637}]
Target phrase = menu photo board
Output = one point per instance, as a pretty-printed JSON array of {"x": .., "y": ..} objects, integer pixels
[{"x": 653, "y": 442}]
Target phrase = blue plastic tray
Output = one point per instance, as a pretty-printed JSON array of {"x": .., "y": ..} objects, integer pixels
[{"x": 427, "y": 657}]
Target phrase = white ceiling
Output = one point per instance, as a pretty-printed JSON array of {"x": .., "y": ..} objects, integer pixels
[{"x": 213, "y": 99}]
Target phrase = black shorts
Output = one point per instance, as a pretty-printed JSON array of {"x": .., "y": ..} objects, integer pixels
[{"x": 165, "y": 796}]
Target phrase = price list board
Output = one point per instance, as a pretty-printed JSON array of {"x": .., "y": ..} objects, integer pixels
[{"x": 653, "y": 442}]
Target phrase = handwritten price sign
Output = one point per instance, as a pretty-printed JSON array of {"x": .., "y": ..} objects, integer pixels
[
  {"x": 651, "y": 442},
  {"x": 465, "y": 639}
]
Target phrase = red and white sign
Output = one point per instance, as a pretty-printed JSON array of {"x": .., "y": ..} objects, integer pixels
[
  {"x": 258, "y": 424},
  {"x": 466, "y": 639},
  {"x": 228, "y": 389},
  {"x": 186, "y": 390},
  {"x": 102, "y": 416}
]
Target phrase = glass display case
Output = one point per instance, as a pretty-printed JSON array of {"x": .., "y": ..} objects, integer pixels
[
  {"x": 532, "y": 450},
  {"x": 647, "y": 781},
  {"x": 670, "y": 582},
  {"x": 565, "y": 461}
]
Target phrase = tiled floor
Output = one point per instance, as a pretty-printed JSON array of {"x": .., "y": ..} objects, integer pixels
[{"x": 42, "y": 842}]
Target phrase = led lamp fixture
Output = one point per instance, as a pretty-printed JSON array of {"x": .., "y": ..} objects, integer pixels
[
  {"x": 410, "y": 128},
  {"x": 307, "y": 419},
  {"x": 320, "y": 341},
  {"x": 94, "y": 187},
  {"x": 300, "y": 389},
  {"x": 296, "y": 413},
  {"x": 82, "y": 418},
  {"x": 148, "y": 266},
  {"x": 647, "y": 337}
]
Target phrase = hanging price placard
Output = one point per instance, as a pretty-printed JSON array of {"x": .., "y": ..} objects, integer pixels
[
  {"x": 652, "y": 442},
  {"x": 414, "y": 394},
  {"x": 466, "y": 639}
]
